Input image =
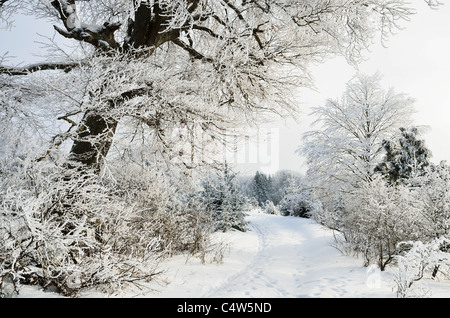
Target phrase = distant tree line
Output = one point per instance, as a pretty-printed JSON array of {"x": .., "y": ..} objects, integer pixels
[{"x": 282, "y": 193}]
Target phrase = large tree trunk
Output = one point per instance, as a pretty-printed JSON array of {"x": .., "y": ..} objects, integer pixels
[
  {"x": 93, "y": 142},
  {"x": 96, "y": 133}
]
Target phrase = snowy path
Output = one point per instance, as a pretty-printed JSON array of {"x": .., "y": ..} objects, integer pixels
[
  {"x": 278, "y": 257},
  {"x": 294, "y": 259},
  {"x": 277, "y": 267}
]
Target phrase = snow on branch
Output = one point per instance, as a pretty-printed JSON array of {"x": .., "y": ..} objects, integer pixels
[
  {"x": 101, "y": 36},
  {"x": 9, "y": 70}
]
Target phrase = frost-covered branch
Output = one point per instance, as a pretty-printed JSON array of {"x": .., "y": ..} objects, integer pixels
[
  {"x": 7, "y": 10},
  {"x": 9, "y": 70},
  {"x": 418, "y": 261},
  {"x": 101, "y": 36}
]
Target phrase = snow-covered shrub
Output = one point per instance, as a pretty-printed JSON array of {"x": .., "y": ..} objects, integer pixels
[
  {"x": 67, "y": 231},
  {"x": 432, "y": 189},
  {"x": 295, "y": 204},
  {"x": 330, "y": 218},
  {"x": 174, "y": 214},
  {"x": 428, "y": 257},
  {"x": 376, "y": 217},
  {"x": 270, "y": 208},
  {"x": 420, "y": 260}
]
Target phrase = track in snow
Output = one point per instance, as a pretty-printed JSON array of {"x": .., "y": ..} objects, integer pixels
[
  {"x": 267, "y": 273},
  {"x": 294, "y": 258}
]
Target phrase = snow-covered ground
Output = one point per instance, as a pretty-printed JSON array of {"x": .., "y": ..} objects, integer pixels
[{"x": 279, "y": 257}]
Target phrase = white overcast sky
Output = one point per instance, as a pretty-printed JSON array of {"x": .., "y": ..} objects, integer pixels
[{"x": 416, "y": 61}]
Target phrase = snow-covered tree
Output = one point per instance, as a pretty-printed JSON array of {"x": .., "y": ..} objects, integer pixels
[
  {"x": 432, "y": 188},
  {"x": 283, "y": 182},
  {"x": 404, "y": 159},
  {"x": 429, "y": 256},
  {"x": 377, "y": 217},
  {"x": 190, "y": 68},
  {"x": 261, "y": 188},
  {"x": 264, "y": 188},
  {"x": 345, "y": 149},
  {"x": 221, "y": 195},
  {"x": 271, "y": 208},
  {"x": 296, "y": 200},
  {"x": 295, "y": 204}
]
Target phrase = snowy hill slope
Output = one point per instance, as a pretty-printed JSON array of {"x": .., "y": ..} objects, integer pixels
[{"x": 279, "y": 257}]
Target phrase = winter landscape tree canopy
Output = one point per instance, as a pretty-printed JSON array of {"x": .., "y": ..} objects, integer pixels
[
  {"x": 95, "y": 138},
  {"x": 185, "y": 71}
]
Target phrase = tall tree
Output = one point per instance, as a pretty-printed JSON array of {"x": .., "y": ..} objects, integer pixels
[
  {"x": 188, "y": 71},
  {"x": 262, "y": 188},
  {"x": 348, "y": 144}
]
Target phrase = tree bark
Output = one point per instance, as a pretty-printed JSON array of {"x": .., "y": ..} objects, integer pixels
[{"x": 93, "y": 142}]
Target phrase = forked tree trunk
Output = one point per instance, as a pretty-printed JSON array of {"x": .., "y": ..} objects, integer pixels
[{"x": 96, "y": 133}]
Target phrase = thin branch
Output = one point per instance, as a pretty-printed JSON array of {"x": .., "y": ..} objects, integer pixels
[
  {"x": 9, "y": 70},
  {"x": 241, "y": 17},
  {"x": 194, "y": 53}
]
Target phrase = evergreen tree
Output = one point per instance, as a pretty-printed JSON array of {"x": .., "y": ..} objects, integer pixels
[
  {"x": 222, "y": 196},
  {"x": 262, "y": 185},
  {"x": 404, "y": 159}
]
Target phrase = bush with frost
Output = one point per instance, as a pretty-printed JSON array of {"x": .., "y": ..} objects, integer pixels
[
  {"x": 421, "y": 260},
  {"x": 67, "y": 231}
]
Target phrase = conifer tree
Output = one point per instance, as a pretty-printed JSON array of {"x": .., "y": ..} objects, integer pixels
[
  {"x": 261, "y": 185},
  {"x": 404, "y": 159},
  {"x": 222, "y": 196}
]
